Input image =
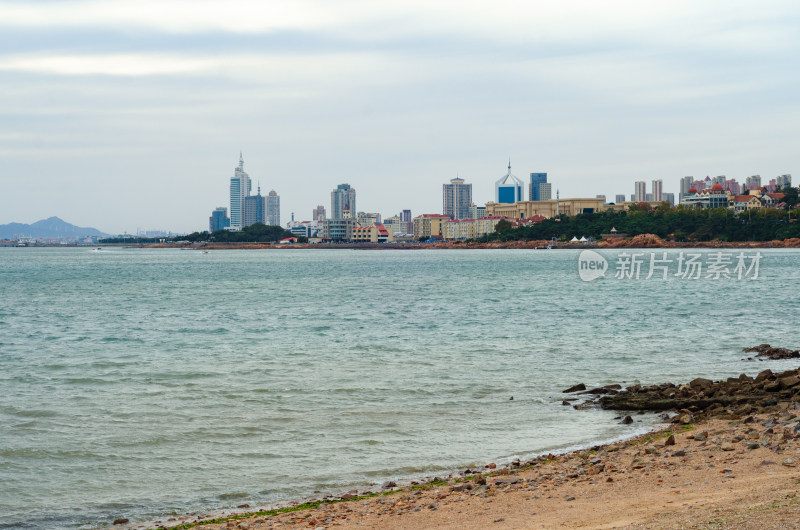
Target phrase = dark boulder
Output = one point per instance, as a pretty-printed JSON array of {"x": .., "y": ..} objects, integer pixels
[{"x": 765, "y": 350}]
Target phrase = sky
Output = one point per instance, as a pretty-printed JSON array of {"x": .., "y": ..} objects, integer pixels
[{"x": 129, "y": 116}]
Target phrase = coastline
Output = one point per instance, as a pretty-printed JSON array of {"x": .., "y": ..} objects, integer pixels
[
  {"x": 640, "y": 241},
  {"x": 716, "y": 466}
]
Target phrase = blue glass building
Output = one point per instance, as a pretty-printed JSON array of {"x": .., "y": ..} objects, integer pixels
[
  {"x": 533, "y": 191},
  {"x": 219, "y": 220},
  {"x": 509, "y": 189}
]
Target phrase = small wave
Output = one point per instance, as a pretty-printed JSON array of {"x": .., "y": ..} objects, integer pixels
[
  {"x": 30, "y": 413},
  {"x": 150, "y": 442},
  {"x": 30, "y": 452},
  {"x": 55, "y": 366},
  {"x": 232, "y": 496},
  {"x": 109, "y": 364},
  {"x": 86, "y": 380},
  {"x": 407, "y": 471},
  {"x": 122, "y": 339}
]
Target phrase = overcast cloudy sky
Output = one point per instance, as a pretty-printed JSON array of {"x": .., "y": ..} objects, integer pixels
[{"x": 131, "y": 115}]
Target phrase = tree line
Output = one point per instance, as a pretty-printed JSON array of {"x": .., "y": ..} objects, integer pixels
[
  {"x": 255, "y": 233},
  {"x": 680, "y": 223}
]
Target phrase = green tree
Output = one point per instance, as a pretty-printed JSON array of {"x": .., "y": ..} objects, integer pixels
[
  {"x": 790, "y": 196},
  {"x": 502, "y": 225}
]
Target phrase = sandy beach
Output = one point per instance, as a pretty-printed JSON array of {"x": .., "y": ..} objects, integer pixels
[
  {"x": 708, "y": 479},
  {"x": 731, "y": 467}
]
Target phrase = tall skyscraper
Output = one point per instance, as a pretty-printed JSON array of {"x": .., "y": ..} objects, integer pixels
[
  {"x": 753, "y": 183},
  {"x": 405, "y": 216},
  {"x": 509, "y": 188},
  {"x": 254, "y": 209},
  {"x": 545, "y": 191},
  {"x": 732, "y": 186},
  {"x": 784, "y": 181},
  {"x": 476, "y": 212},
  {"x": 640, "y": 191},
  {"x": 620, "y": 198},
  {"x": 456, "y": 198},
  {"x": 342, "y": 196},
  {"x": 658, "y": 190},
  {"x": 219, "y": 219},
  {"x": 686, "y": 185},
  {"x": 319, "y": 213},
  {"x": 273, "y": 211},
  {"x": 240, "y": 188},
  {"x": 533, "y": 191},
  {"x": 670, "y": 198}
]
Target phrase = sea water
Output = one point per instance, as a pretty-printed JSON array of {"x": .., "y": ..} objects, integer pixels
[{"x": 152, "y": 383}]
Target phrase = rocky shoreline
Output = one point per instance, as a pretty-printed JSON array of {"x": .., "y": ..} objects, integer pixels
[
  {"x": 640, "y": 241},
  {"x": 729, "y": 442},
  {"x": 764, "y": 393}
]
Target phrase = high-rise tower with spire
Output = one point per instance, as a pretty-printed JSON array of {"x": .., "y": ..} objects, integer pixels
[
  {"x": 240, "y": 188},
  {"x": 254, "y": 209},
  {"x": 508, "y": 189}
]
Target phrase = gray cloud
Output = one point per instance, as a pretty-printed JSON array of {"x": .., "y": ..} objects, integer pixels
[{"x": 127, "y": 125}]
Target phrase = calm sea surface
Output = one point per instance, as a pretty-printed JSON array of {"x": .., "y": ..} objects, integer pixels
[{"x": 147, "y": 383}]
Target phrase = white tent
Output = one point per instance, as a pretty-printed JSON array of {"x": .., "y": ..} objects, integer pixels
[
  {"x": 583, "y": 238},
  {"x": 574, "y": 239}
]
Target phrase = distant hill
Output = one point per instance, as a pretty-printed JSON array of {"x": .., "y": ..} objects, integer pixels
[{"x": 51, "y": 228}]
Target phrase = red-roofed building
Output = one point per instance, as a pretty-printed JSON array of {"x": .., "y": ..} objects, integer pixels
[
  {"x": 529, "y": 221},
  {"x": 374, "y": 233},
  {"x": 743, "y": 203},
  {"x": 771, "y": 200},
  {"x": 716, "y": 197}
]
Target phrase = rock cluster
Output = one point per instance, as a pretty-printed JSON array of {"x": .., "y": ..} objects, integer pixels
[
  {"x": 765, "y": 350},
  {"x": 737, "y": 395}
]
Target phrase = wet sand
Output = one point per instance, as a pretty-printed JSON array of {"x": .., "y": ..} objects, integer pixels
[{"x": 719, "y": 473}]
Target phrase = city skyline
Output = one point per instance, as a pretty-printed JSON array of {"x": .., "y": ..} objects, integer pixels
[
  {"x": 151, "y": 101},
  {"x": 344, "y": 194}
]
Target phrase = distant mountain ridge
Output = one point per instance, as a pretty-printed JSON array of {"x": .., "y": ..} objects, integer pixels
[{"x": 50, "y": 228}]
